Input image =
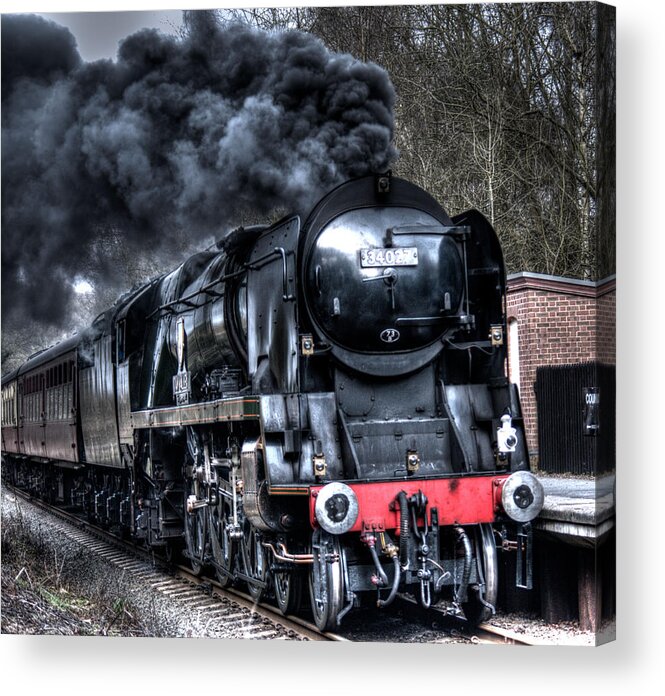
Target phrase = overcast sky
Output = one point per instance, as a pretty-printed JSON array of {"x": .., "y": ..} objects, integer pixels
[{"x": 98, "y": 33}]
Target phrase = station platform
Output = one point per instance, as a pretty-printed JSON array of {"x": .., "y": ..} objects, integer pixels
[
  {"x": 579, "y": 511},
  {"x": 576, "y": 550}
]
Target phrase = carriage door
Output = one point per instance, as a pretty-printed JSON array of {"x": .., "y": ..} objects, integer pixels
[{"x": 97, "y": 404}]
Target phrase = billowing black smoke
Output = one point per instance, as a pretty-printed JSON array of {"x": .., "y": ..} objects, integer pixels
[{"x": 174, "y": 137}]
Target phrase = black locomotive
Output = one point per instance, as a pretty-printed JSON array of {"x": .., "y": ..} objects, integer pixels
[{"x": 317, "y": 404}]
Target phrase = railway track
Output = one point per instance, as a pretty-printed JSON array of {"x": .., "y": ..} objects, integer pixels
[{"x": 238, "y": 610}]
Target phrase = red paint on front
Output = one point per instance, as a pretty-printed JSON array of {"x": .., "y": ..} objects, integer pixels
[{"x": 463, "y": 500}]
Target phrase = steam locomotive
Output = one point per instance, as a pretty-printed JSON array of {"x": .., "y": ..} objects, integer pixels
[{"x": 318, "y": 406}]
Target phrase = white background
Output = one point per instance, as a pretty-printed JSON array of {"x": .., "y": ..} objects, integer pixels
[{"x": 629, "y": 665}]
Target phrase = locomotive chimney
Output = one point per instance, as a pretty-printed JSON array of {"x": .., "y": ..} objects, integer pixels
[{"x": 383, "y": 183}]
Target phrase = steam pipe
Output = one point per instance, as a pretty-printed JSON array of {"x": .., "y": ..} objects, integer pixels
[{"x": 286, "y": 557}]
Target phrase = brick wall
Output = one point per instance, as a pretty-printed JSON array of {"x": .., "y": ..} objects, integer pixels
[{"x": 559, "y": 321}]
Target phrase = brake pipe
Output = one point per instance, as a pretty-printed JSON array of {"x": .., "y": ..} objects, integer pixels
[
  {"x": 370, "y": 542},
  {"x": 393, "y": 590}
]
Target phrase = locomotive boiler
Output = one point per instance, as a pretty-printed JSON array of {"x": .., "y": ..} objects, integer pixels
[{"x": 316, "y": 407}]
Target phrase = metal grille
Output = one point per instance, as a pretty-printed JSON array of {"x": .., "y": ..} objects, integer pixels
[{"x": 564, "y": 416}]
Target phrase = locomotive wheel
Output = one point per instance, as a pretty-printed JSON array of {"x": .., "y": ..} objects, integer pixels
[
  {"x": 326, "y": 581},
  {"x": 474, "y": 610},
  {"x": 288, "y": 587},
  {"x": 255, "y": 561},
  {"x": 223, "y": 548},
  {"x": 196, "y": 532}
]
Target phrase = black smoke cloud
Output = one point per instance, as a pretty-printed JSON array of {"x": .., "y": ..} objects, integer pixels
[{"x": 176, "y": 136}]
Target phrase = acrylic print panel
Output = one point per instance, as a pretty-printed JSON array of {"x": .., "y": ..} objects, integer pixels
[{"x": 296, "y": 261}]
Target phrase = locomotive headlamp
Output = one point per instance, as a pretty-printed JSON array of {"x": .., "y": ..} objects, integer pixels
[
  {"x": 522, "y": 496},
  {"x": 336, "y": 508},
  {"x": 506, "y": 435}
]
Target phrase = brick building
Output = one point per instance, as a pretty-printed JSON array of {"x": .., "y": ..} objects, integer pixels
[{"x": 556, "y": 321}]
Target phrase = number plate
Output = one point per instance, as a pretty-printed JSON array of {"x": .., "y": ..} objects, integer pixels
[
  {"x": 383, "y": 258},
  {"x": 181, "y": 387}
]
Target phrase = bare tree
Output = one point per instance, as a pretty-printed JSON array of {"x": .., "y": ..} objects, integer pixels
[{"x": 504, "y": 107}]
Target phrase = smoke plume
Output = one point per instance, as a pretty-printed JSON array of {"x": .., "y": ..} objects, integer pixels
[{"x": 174, "y": 137}]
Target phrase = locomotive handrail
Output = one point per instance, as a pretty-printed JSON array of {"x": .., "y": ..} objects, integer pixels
[
  {"x": 286, "y": 296},
  {"x": 426, "y": 321},
  {"x": 269, "y": 257},
  {"x": 461, "y": 231},
  {"x": 207, "y": 289},
  {"x": 466, "y": 345}
]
